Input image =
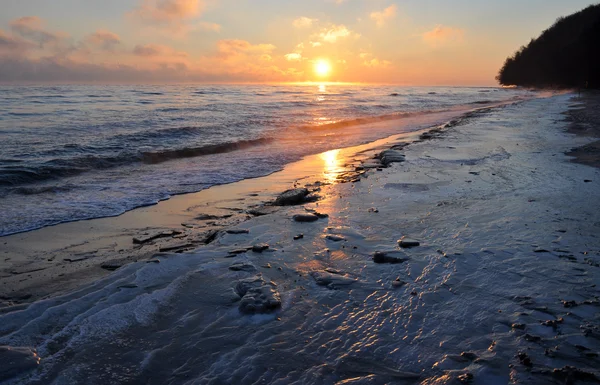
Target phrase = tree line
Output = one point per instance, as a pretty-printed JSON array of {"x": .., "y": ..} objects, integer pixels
[{"x": 566, "y": 55}]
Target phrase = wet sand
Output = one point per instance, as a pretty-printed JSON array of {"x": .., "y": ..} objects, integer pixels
[
  {"x": 585, "y": 121},
  {"x": 53, "y": 260},
  {"x": 501, "y": 288}
]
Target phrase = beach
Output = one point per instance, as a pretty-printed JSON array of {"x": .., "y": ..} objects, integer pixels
[{"x": 471, "y": 257}]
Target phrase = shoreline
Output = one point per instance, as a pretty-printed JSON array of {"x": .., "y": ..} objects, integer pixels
[
  {"x": 501, "y": 288},
  {"x": 46, "y": 262}
]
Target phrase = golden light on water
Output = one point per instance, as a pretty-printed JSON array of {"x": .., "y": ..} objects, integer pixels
[
  {"x": 332, "y": 165},
  {"x": 322, "y": 68}
]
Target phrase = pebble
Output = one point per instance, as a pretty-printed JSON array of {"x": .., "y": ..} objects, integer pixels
[
  {"x": 237, "y": 231},
  {"x": 408, "y": 242},
  {"x": 299, "y": 236},
  {"x": 385, "y": 257},
  {"x": 242, "y": 266},
  {"x": 305, "y": 218},
  {"x": 335, "y": 238},
  {"x": 292, "y": 197},
  {"x": 260, "y": 247}
]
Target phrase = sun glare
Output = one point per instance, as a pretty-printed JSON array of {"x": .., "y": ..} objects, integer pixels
[{"x": 322, "y": 68}]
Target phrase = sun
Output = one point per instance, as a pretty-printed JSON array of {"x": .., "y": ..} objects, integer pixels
[{"x": 322, "y": 68}]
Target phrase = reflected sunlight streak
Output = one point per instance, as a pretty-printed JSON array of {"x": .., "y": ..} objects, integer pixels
[{"x": 332, "y": 165}]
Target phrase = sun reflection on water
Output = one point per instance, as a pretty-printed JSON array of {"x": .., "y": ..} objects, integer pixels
[{"x": 332, "y": 165}]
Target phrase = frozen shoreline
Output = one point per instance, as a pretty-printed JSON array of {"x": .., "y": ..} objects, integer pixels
[
  {"x": 506, "y": 273},
  {"x": 56, "y": 259}
]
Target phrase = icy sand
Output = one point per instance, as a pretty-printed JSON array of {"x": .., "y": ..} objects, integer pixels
[{"x": 506, "y": 273}]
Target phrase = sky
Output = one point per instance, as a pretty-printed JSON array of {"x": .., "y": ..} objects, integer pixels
[{"x": 403, "y": 42}]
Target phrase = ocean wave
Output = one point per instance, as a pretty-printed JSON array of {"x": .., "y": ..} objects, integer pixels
[
  {"x": 34, "y": 190},
  {"x": 12, "y": 175},
  {"x": 154, "y": 157},
  {"x": 366, "y": 120}
]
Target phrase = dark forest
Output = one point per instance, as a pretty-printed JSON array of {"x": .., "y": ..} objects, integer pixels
[{"x": 566, "y": 55}]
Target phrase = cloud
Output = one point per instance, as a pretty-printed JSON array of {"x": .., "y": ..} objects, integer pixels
[
  {"x": 382, "y": 17},
  {"x": 13, "y": 45},
  {"x": 304, "y": 22},
  {"x": 293, "y": 57},
  {"x": 370, "y": 61},
  {"x": 334, "y": 33},
  {"x": 175, "y": 17},
  {"x": 32, "y": 28},
  {"x": 315, "y": 44},
  {"x": 235, "y": 48},
  {"x": 167, "y": 11},
  {"x": 157, "y": 50},
  {"x": 206, "y": 26},
  {"x": 103, "y": 39},
  {"x": 441, "y": 35}
]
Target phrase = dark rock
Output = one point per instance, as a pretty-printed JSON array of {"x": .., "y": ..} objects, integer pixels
[
  {"x": 321, "y": 215},
  {"x": 311, "y": 198},
  {"x": 552, "y": 323},
  {"x": 205, "y": 217},
  {"x": 177, "y": 246},
  {"x": 260, "y": 247},
  {"x": 112, "y": 266},
  {"x": 153, "y": 261},
  {"x": 525, "y": 360},
  {"x": 541, "y": 251},
  {"x": 299, "y": 236},
  {"x": 569, "y": 304},
  {"x": 240, "y": 251},
  {"x": 263, "y": 210},
  {"x": 468, "y": 355},
  {"x": 408, "y": 242},
  {"x": 530, "y": 338},
  {"x": 140, "y": 239},
  {"x": 242, "y": 266},
  {"x": 258, "y": 295},
  {"x": 518, "y": 326},
  {"x": 332, "y": 280},
  {"x": 388, "y": 257},
  {"x": 237, "y": 231},
  {"x": 305, "y": 218},
  {"x": 373, "y": 210},
  {"x": 465, "y": 378},
  {"x": 391, "y": 156},
  {"x": 397, "y": 283},
  {"x": 570, "y": 374},
  {"x": 17, "y": 360},
  {"x": 292, "y": 197},
  {"x": 334, "y": 238}
]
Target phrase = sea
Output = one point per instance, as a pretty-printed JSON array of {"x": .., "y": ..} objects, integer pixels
[{"x": 74, "y": 152}]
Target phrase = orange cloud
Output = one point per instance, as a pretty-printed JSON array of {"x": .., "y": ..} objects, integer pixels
[
  {"x": 304, "y": 22},
  {"x": 234, "y": 48},
  {"x": 154, "y": 50},
  {"x": 441, "y": 35},
  {"x": 167, "y": 11},
  {"x": 370, "y": 61},
  {"x": 293, "y": 57},
  {"x": 382, "y": 17},
  {"x": 206, "y": 26},
  {"x": 32, "y": 27},
  {"x": 334, "y": 33},
  {"x": 106, "y": 40},
  {"x": 13, "y": 45}
]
